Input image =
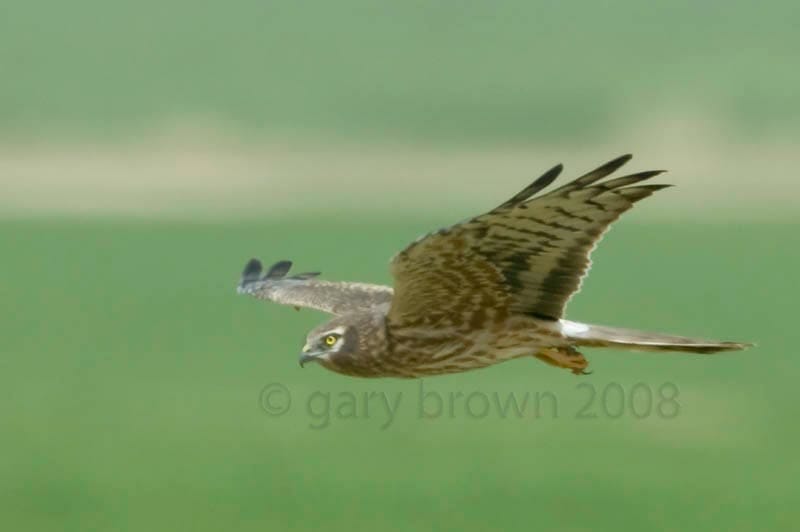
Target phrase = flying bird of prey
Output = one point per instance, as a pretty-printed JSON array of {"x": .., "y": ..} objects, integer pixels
[{"x": 486, "y": 290}]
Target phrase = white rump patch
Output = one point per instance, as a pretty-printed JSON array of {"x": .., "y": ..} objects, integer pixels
[{"x": 573, "y": 328}]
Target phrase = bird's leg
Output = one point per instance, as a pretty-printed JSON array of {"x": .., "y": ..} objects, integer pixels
[{"x": 564, "y": 357}]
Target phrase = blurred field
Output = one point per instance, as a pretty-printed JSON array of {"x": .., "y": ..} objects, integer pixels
[
  {"x": 205, "y": 174},
  {"x": 471, "y": 71},
  {"x": 132, "y": 391}
]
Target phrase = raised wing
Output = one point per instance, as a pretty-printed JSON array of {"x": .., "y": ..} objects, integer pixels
[
  {"x": 303, "y": 290},
  {"x": 527, "y": 256}
]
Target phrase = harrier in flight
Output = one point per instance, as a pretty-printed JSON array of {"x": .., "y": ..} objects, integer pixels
[{"x": 489, "y": 289}]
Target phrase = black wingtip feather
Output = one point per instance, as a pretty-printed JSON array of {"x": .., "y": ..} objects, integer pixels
[
  {"x": 253, "y": 276},
  {"x": 658, "y": 187},
  {"x": 597, "y": 174},
  {"x": 306, "y": 275},
  {"x": 640, "y": 192},
  {"x": 602, "y": 171},
  {"x": 279, "y": 269},
  {"x": 619, "y": 161},
  {"x": 630, "y": 179},
  {"x": 541, "y": 182},
  {"x": 252, "y": 270},
  {"x": 546, "y": 178}
]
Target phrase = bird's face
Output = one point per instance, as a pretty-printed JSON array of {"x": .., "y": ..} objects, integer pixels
[{"x": 328, "y": 343}]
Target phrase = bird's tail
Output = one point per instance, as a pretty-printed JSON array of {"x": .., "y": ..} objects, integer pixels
[{"x": 584, "y": 334}]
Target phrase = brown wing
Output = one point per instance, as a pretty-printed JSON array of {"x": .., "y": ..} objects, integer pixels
[
  {"x": 303, "y": 290},
  {"x": 527, "y": 256}
]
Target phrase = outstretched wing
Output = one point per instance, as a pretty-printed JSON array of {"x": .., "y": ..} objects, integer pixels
[
  {"x": 303, "y": 290},
  {"x": 526, "y": 256}
]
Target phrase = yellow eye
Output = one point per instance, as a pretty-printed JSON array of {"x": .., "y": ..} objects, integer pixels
[{"x": 330, "y": 339}]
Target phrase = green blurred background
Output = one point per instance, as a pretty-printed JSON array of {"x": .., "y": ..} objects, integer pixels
[{"x": 148, "y": 149}]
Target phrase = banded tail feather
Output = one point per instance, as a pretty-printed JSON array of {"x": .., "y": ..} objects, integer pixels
[{"x": 584, "y": 334}]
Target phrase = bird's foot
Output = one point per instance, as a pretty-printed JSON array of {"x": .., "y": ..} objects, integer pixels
[{"x": 564, "y": 357}]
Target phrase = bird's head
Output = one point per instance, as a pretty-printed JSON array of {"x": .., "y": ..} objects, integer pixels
[{"x": 330, "y": 343}]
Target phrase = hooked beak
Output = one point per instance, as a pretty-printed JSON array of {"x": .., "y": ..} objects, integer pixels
[{"x": 308, "y": 356}]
